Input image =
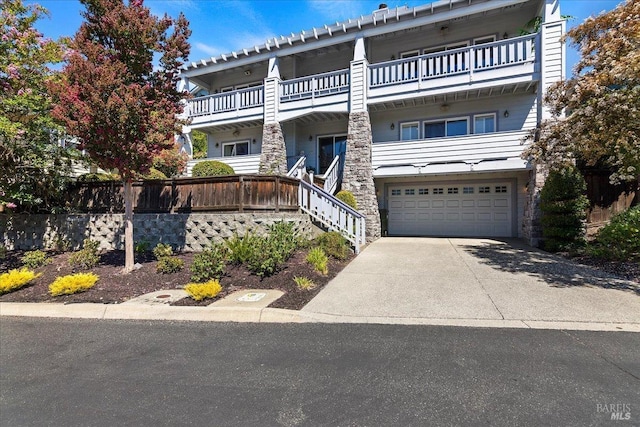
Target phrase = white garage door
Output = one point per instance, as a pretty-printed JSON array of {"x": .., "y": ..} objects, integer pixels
[{"x": 484, "y": 209}]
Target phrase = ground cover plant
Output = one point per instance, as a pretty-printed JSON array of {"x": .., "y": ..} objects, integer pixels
[{"x": 113, "y": 287}]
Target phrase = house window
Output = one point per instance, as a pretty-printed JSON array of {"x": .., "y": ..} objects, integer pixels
[
  {"x": 467, "y": 190},
  {"x": 239, "y": 148},
  {"x": 410, "y": 54},
  {"x": 501, "y": 188},
  {"x": 448, "y": 127},
  {"x": 423, "y": 191},
  {"x": 452, "y": 190},
  {"x": 438, "y": 191},
  {"x": 409, "y": 192},
  {"x": 226, "y": 89},
  {"x": 484, "y": 189},
  {"x": 396, "y": 192},
  {"x": 409, "y": 131},
  {"x": 484, "y": 123},
  {"x": 328, "y": 148}
]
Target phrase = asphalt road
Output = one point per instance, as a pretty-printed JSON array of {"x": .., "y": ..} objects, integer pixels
[{"x": 67, "y": 372}]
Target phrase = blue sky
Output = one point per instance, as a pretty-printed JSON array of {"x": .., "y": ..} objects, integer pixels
[{"x": 221, "y": 26}]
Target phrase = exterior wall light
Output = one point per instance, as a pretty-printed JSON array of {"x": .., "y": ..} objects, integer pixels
[
  {"x": 393, "y": 126},
  {"x": 506, "y": 113}
]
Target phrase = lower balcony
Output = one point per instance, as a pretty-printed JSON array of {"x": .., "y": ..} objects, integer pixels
[{"x": 486, "y": 152}]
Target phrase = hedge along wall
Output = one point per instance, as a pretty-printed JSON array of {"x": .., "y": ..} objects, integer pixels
[{"x": 188, "y": 232}]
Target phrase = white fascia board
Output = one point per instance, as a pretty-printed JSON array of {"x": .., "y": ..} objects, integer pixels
[{"x": 325, "y": 37}]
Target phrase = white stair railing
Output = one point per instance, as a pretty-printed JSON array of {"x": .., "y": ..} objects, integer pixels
[
  {"x": 332, "y": 213},
  {"x": 299, "y": 165},
  {"x": 331, "y": 176}
]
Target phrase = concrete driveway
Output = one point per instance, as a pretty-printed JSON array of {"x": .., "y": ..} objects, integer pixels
[{"x": 477, "y": 282}]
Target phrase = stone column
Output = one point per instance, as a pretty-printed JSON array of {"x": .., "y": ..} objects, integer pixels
[
  {"x": 531, "y": 224},
  {"x": 273, "y": 159},
  {"x": 358, "y": 172}
]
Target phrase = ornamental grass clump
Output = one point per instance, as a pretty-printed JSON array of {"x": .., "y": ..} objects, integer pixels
[
  {"x": 72, "y": 284},
  {"x": 304, "y": 283},
  {"x": 200, "y": 291},
  {"x": 16, "y": 279},
  {"x": 241, "y": 248},
  {"x": 318, "y": 259}
]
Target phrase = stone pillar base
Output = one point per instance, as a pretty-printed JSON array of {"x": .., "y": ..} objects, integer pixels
[
  {"x": 273, "y": 159},
  {"x": 531, "y": 225},
  {"x": 358, "y": 171}
]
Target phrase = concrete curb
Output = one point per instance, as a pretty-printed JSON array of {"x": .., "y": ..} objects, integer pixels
[{"x": 277, "y": 315}]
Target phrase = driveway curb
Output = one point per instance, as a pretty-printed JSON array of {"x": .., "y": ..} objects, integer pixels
[{"x": 276, "y": 315}]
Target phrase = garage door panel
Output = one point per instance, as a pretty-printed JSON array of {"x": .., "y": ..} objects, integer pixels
[{"x": 449, "y": 209}]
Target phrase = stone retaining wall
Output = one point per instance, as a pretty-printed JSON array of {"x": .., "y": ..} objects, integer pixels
[{"x": 187, "y": 232}]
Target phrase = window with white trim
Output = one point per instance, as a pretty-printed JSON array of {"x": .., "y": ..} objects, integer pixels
[
  {"x": 409, "y": 131},
  {"x": 484, "y": 123},
  {"x": 237, "y": 148},
  {"x": 447, "y": 127},
  {"x": 396, "y": 192},
  {"x": 410, "y": 54}
]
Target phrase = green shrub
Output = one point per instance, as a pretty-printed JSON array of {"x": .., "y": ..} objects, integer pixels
[
  {"x": 72, "y": 284},
  {"x": 318, "y": 259},
  {"x": 154, "y": 174},
  {"x": 563, "y": 206},
  {"x": 211, "y": 168},
  {"x": 304, "y": 283},
  {"x": 87, "y": 257},
  {"x": 348, "y": 198},
  {"x": 200, "y": 291},
  {"x": 210, "y": 263},
  {"x": 272, "y": 251},
  {"x": 162, "y": 250},
  {"x": 169, "y": 264},
  {"x": 241, "y": 248},
  {"x": 15, "y": 279},
  {"x": 61, "y": 244},
  {"x": 620, "y": 239},
  {"x": 34, "y": 259},
  {"x": 334, "y": 245},
  {"x": 98, "y": 177},
  {"x": 142, "y": 247}
]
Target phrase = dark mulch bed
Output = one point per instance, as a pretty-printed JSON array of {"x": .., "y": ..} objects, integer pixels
[
  {"x": 628, "y": 270},
  {"x": 114, "y": 287}
]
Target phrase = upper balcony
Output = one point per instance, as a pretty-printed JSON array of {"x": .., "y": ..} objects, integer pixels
[
  {"x": 470, "y": 68},
  {"x": 500, "y": 64}
]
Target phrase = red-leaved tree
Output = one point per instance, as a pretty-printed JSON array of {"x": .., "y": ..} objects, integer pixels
[{"x": 122, "y": 108}]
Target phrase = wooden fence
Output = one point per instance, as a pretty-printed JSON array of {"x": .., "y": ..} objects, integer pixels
[
  {"x": 232, "y": 193},
  {"x": 606, "y": 199}
]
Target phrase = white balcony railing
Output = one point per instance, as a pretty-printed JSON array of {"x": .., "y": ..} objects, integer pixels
[
  {"x": 315, "y": 86},
  {"x": 228, "y": 101},
  {"x": 452, "y": 62},
  {"x": 241, "y": 164}
]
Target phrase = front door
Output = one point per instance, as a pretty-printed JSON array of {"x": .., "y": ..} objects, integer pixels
[{"x": 328, "y": 148}]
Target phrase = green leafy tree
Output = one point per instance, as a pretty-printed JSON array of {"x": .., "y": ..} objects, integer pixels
[
  {"x": 601, "y": 101},
  {"x": 123, "y": 110},
  {"x": 34, "y": 168},
  {"x": 199, "y": 144}
]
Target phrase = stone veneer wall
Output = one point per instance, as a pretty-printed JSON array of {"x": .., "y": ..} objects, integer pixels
[
  {"x": 358, "y": 171},
  {"x": 273, "y": 159},
  {"x": 187, "y": 232},
  {"x": 531, "y": 225}
]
